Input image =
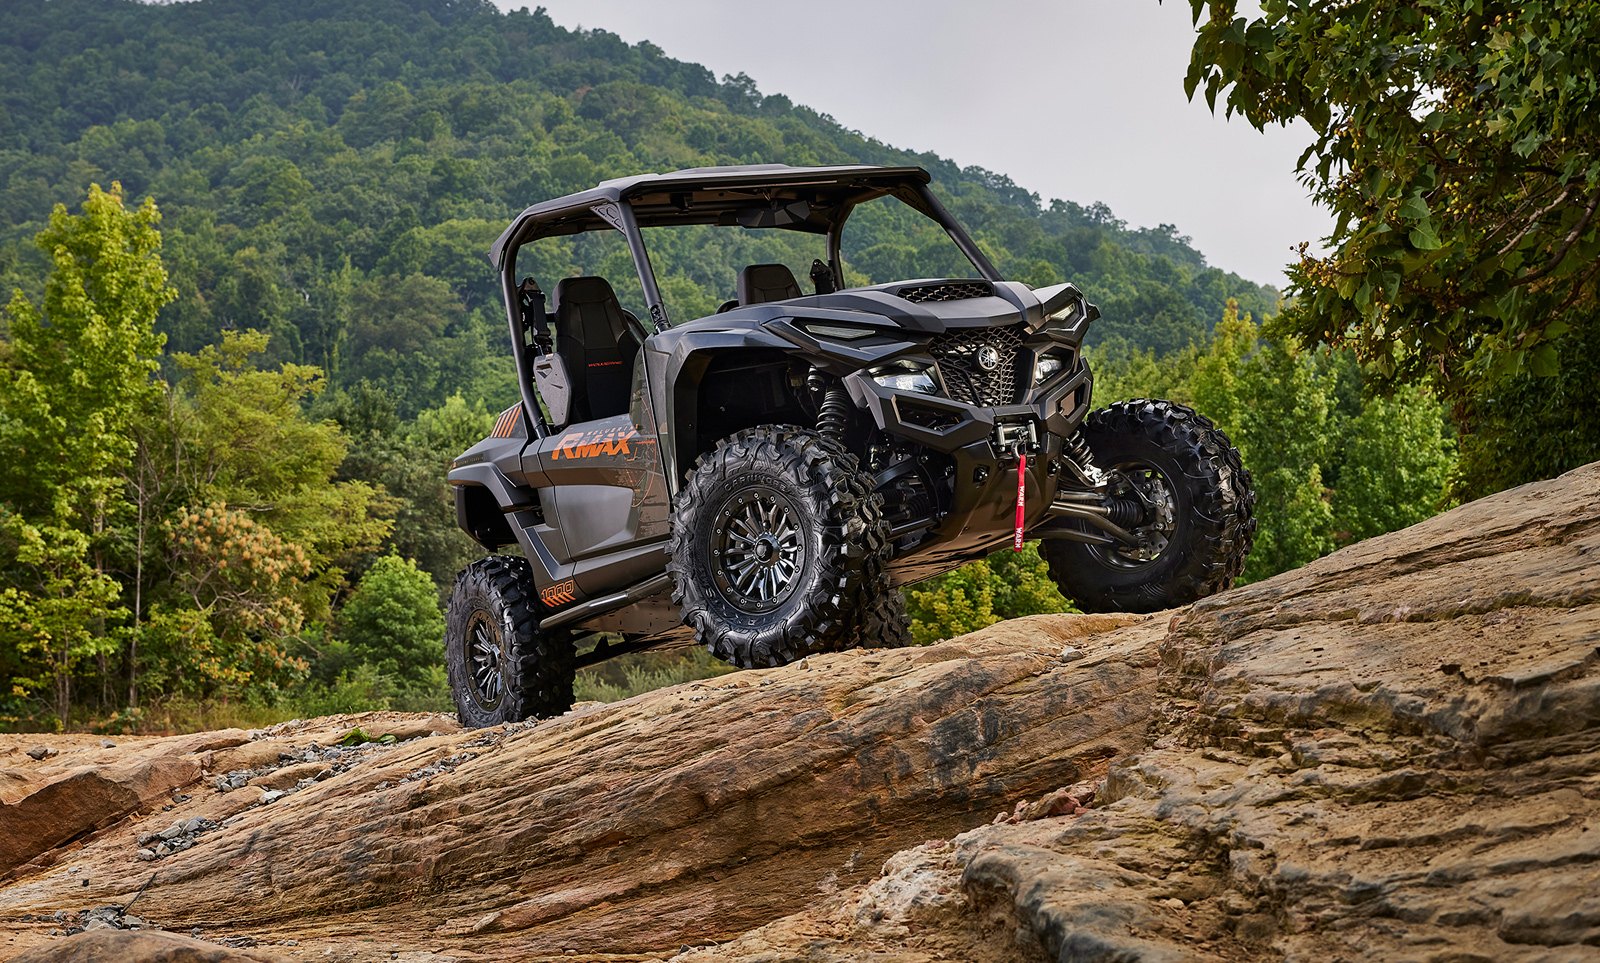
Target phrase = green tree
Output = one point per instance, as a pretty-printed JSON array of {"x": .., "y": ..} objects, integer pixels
[
  {"x": 1457, "y": 144},
  {"x": 1396, "y": 468},
  {"x": 75, "y": 375},
  {"x": 53, "y": 609},
  {"x": 392, "y": 621},
  {"x": 254, "y": 533},
  {"x": 77, "y": 366}
]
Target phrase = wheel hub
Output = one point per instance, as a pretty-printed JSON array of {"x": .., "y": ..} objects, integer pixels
[
  {"x": 1149, "y": 487},
  {"x": 758, "y": 552},
  {"x": 486, "y": 684}
]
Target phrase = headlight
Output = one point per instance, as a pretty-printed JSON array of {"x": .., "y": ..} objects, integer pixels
[
  {"x": 836, "y": 332},
  {"x": 1047, "y": 367},
  {"x": 1066, "y": 315},
  {"x": 906, "y": 378}
]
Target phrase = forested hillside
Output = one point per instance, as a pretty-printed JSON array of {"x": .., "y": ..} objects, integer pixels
[
  {"x": 332, "y": 173},
  {"x": 224, "y": 481}
]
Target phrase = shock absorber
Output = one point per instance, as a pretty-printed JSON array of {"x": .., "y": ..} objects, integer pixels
[
  {"x": 1080, "y": 459},
  {"x": 833, "y": 411}
]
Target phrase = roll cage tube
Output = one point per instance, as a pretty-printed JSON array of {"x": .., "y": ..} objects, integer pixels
[
  {"x": 519, "y": 351},
  {"x": 647, "y": 274},
  {"x": 939, "y": 215},
  {"x": 958, "y": 234},
  {"x": 621, "y": 217}
]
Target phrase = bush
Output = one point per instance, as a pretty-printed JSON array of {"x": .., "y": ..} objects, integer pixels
[{"x": 393, "y": 624}]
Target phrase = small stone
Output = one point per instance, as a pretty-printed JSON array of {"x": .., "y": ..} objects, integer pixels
[
  {"x": 172, "y": 832},
  {"x": 107, "y": 744},
  {"x": 100, "y": 923},
  {"x": 146, "y": 855},
  {"x": 291, "y": 943},
  {"x": 194, "y": 825},
  {"x": 132, "y": 922},
  {"x": 1071, "y": 654},
  {"x": 1173, "y": 903},
  {"x": 41, "y": 752},
  {"x": 181, "y": 798},
  {"x": 272, "y": 796}
]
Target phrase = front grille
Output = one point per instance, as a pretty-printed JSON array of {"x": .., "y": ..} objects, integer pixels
[
  {"x": 947, "y": 291},
  {"x": 966, "y": 379}
]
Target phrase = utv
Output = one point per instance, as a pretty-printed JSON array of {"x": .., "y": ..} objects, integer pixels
[{"x": 761, "y": 479}]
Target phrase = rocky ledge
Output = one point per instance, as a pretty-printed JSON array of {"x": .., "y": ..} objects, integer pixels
[{"x": 1392, "y": 753}]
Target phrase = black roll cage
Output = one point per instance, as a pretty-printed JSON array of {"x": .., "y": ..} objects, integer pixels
[{"x": 816, "y": 200}]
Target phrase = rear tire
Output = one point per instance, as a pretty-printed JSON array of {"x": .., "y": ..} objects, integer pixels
[
  {"x": 1213, "y": 511},
  {"x": 884, "y": 623},
  {"x": 502, "y": 668},
  {"x": 779, "y": 549}
]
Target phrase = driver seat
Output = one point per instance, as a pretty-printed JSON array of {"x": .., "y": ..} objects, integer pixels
[
  {"x": 597, "y": 344},
  {"x": 761, "y": 283}
]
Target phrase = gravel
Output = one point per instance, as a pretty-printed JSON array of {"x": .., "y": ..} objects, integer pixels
[{"x": 176, "y": 838}]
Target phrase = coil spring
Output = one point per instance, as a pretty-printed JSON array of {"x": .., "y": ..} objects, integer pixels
[
  {"x": 833, "y": 415},
  {"x": 1078, "y": 450}
]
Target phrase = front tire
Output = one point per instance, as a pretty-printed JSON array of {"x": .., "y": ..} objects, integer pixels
[
  {"x": 502, "y": 668},
  {"x": 1200, "y": 530},
  {"x": 779, "y": 549}
]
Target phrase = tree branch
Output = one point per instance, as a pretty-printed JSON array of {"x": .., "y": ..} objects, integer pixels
[{"x": 1571, "y": 239}]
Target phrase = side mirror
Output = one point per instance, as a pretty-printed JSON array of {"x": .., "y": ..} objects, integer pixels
[{"x": 555, "y": 389}]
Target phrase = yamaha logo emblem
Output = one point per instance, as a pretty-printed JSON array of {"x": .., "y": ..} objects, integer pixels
[{"x": 988, "y": 357}]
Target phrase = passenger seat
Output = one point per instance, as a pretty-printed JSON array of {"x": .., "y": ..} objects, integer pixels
[{"x": 761, "y": 283}]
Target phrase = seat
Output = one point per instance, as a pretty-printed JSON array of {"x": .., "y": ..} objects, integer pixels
[
  {"x": 760, "y": 283},
  {"x": 597, "y": 344}
]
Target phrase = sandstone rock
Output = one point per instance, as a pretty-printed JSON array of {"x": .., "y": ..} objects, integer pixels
[
  {"x": 83, "y": 799},
  {"x": 1389, "y": 755},
  {"x": 1386, "y": 755},
  {"x": 705, "y": 809},
  {"x": 120, "y": 946}
]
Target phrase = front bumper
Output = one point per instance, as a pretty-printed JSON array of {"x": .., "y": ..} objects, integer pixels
[{"x": 983, "y": 444}]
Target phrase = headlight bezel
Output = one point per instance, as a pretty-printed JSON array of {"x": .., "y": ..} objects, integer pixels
[
  {"x": 906, "y": 376},
  {"x": 1052, "y": 362}
]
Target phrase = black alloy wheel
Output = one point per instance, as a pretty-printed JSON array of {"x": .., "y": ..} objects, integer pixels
[{"x": 758, "y": 552}]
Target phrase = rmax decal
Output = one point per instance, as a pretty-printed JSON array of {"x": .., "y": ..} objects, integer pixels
[{"x": 596, "y": 441}]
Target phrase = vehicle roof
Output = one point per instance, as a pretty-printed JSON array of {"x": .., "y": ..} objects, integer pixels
[{"x": 716, "y": 195}]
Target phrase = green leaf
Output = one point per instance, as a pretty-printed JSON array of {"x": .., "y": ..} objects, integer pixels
[
  {"x": 1423, "y": 237},
  {"x": 1415, "y": 208},
  {"x": 1544, "y": 361}
]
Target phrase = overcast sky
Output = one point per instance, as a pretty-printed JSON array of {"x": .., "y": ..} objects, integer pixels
[{"x": 1077, "y": 99}]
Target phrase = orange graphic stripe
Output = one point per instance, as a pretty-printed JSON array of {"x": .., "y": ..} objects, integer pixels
[{"x": 506, "y": 423}]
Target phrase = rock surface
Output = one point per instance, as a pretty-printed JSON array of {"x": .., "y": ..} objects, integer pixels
[{"x": 1393, "y": 753}]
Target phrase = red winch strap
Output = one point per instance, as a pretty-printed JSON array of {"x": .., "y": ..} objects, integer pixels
[{"x": 1022, "y": 498}]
